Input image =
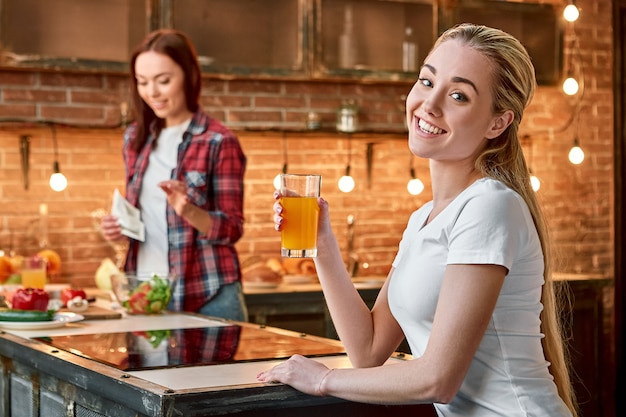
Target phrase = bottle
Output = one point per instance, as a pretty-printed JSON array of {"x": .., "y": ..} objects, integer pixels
[
  {"x": 313, "y": 121},
  {"x": 347, "y": 41},
  {"x": 409, "y": 52}
]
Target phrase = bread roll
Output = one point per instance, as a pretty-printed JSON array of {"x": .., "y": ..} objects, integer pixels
[
  {"x": 276, "y": 265},
  {"x": 260, "y": 272},
  {"x": 299, "y": 266},
  {"x": 307, "y": 267}
]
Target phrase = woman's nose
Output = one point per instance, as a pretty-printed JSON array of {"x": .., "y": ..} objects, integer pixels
[
  {"x": 153, "y": 90},
  {"x": 432, "y": 106}
]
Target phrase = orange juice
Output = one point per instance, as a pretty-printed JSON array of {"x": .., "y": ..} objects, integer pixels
[
  {"x": 33, "y": 272},
  {"x": 299, "y": 233},
  {"x": 34, "y": 278}
]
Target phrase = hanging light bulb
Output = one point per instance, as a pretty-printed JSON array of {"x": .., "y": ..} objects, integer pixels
[
  {"x": 570, "y": 85},
  {"x": 346, "y": 183},
  {"x": 58, "y": 182},
  {"x": 415, "y": 186},
  {"x": 576, "y": 155},
  {"x": 534, "y": 182},
  {"x": 571, "y": 12}
]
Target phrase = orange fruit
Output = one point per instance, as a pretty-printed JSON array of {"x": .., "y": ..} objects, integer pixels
[
  {"x": 53, "y": 260},
  {"x": 6, "y": 268},
  {"x": 16, "y": 262}
]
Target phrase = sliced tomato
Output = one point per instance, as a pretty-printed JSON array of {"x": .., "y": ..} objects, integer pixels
[{"x": 138, "y": 303}]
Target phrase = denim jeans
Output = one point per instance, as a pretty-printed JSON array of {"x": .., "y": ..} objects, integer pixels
[{"x": 228, "y": 303}]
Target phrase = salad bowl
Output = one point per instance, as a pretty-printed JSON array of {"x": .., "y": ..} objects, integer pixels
[{"x": 143, "y": 294}]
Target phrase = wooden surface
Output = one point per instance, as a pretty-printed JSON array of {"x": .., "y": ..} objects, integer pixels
[
  {"x": 30, "y": 370},
  {"x": 98, "y": 313}
]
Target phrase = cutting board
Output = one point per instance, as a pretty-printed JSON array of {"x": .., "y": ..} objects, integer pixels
[{"x": 98, "y": 313}]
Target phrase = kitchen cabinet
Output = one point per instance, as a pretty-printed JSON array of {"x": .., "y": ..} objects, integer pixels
[
  {"x": 70, "y": 33},
  {"x": 538, "y": 26},
  {"x": 590, "y": 346},
  {"x": 384, "y": 40},
  {"x": 244, "y": 36},
  {"x": 373, "y": 38},
  {"x": 302, "y": 307},
  {"x": 302, "y": 38},
  {"x": 247, "y": 38}
]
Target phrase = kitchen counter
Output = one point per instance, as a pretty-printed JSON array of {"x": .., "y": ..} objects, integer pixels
[
  {"x": 311, "y": 284},
  {"x": 38, "y": 375},
  {"x": 57, "y": 370},
  {"x": 301, "y": 307}
]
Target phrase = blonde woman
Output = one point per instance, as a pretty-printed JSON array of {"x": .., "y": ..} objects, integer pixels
[{"x": 470, "y": 285}]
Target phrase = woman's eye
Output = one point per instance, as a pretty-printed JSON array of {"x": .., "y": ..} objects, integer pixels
[
  {"x": 164, "y": 82},
  {"x": 425, "y": 81},
  {"x": 459, "y": 96}
]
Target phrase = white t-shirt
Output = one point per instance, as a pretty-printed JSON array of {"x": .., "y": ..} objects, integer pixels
[
  {"x": 152, "y": 256},
  {"x": 487, "y": 223}
]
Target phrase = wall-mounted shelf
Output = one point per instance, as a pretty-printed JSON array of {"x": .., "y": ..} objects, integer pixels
[{"x": 368, "y": 40}]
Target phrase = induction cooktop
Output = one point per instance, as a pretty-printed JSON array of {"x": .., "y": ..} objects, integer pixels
[{"x": 168, "y": 348}]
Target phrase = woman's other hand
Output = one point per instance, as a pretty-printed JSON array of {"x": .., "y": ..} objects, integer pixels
[
  {"x": 303, "y": 374},
  {"x": 176, "y": 195},
  {"x": 111, "y": 229}
]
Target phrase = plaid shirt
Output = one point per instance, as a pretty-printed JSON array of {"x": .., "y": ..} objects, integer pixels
[{"x": 212, "y": 163}]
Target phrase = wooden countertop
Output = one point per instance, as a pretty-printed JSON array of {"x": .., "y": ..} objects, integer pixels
[
  {"x": 310, "y": 285},
  {"x": 184, "y": 378},
  {"x": 376, "y": 282}
]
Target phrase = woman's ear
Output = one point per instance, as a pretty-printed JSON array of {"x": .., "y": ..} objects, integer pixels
[{"x": 499, "y": 125}]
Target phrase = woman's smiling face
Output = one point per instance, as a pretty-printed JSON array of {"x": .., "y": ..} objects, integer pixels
[
  {"x": 160, "y": 83},
  {"x": 450, "y": 108}
]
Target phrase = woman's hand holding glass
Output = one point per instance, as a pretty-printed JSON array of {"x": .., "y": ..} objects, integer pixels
[{"x": 324, "y": 218}]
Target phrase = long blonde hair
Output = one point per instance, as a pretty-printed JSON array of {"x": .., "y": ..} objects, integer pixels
[{"x": 503, "y": 159}]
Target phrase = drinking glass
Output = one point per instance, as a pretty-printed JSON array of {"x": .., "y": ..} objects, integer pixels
[
  {"x": 299, "y": 200},
  {"x": 33, "y": 272}
]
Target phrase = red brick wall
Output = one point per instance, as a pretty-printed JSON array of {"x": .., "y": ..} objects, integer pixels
[{"x": 577, "y": 199}]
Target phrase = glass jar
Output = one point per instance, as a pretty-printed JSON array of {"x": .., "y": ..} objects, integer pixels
[{"x": 348, "y": 117}]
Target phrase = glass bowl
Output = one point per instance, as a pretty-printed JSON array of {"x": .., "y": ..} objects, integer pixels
[{"x": 149, "y": 294}]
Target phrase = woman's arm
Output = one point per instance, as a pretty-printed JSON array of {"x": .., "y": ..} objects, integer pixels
[
  {"x": 176, "y": 192},
  {"x": 222, "y": 223},
  {"x": 369, "y": 336},
  {"x": 467, "y": 299}
]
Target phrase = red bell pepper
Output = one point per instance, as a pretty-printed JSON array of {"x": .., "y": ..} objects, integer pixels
[
  {"x": 30, "y": 299},
  {"x": 70, "y": 293}
]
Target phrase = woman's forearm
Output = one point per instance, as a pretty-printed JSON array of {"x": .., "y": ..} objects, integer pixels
[
  {"x": 351, "y": 316},
  {"x": 197, "y": 217}
]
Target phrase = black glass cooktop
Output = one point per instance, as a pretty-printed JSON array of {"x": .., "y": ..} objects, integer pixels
[{"x": 154, "y": 349}]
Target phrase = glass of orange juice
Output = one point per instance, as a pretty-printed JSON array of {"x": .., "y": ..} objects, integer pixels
[
  {"x": 299, "y": 200},
  {"x": 33, "y": 272}
]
